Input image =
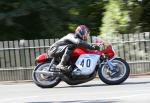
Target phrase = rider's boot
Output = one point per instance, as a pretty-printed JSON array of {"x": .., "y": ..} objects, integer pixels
[{"x": 65, "y": 58}]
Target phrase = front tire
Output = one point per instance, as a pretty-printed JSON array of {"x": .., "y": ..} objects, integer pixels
[
  {"x": 43, "y": 80},
  {"x": 119, "y": 77}
]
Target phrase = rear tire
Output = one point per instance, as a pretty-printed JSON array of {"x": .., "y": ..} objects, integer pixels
[
  {"x": 113, "y": 81},
  {"x": 42, "y": 80}
]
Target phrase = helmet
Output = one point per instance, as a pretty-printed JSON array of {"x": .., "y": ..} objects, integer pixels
[{"x": 82, "y": 31}]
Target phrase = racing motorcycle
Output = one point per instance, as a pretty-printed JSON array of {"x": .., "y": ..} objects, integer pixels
[{"x": 83, "y": 66}]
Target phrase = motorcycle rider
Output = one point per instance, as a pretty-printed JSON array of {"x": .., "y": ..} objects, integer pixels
[{"x": 66, "y": 44}]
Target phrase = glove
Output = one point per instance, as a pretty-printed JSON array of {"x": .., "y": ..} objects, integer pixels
[{"x": 96, "y": 47}]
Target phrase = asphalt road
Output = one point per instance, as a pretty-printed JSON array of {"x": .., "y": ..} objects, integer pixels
[{"x": 134, "y": 90}]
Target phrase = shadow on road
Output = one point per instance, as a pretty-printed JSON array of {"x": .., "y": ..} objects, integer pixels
[
  {"x": 89, "y": 85},
  {"x": 97, "y": 85},
  {"x": 132, "y": 83},
  {"x": 81, "y": 101}
]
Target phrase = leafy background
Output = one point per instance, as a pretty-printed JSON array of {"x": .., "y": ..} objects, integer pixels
[{"x": 37, "y": 19}]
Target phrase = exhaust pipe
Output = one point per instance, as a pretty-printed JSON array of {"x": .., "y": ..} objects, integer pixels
[{"x": 44, "y": 72}]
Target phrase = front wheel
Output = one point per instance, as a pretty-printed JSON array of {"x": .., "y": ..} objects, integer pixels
[
  {"x": 43, "y": 80},
  {"x": 120, "y": 74}
]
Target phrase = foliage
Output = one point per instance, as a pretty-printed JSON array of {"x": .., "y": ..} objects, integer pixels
[
  {"x": 33, "y": 19},
  {"x": 126, "y": 16},
  {"x": 116, "y": 18},
  {"x": 135, "y": 11},
  {"x": 145, "y": 15}
]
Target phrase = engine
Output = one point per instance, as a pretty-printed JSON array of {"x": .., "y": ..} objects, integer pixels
[{"x": 76, "y": 72}]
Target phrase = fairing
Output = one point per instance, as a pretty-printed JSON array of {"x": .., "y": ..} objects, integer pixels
[{"x": 78, "y": 51}]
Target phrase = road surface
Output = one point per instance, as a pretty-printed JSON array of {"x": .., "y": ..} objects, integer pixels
[{"x": 134, "y": 90}]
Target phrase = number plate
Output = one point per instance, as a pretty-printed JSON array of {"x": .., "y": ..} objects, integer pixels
[{"x": 87, "y": 63}]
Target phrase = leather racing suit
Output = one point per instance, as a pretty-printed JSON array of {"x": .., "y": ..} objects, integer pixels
[{"x": 65, "y": 45}]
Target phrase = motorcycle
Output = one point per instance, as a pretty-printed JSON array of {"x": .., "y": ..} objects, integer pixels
[{"x": 83, "y": 66}]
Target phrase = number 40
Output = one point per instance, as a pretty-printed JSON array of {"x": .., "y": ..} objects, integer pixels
[{"x": 86, "y": 62}]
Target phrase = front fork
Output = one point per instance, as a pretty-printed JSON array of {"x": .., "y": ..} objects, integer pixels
[
  {"x": 111, "y": 65},
  {"x": 107, "y": 61}
]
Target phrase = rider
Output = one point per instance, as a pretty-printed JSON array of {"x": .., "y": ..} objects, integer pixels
[{"x": 67, "y": 43}]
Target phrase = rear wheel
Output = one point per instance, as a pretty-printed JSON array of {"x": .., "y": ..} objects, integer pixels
[
  {"x": 43, "y": 80},
  {"x": 121, "y": 73}
]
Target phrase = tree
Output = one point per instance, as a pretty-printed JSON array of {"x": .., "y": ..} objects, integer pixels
[
  {"x": 17, "y": 20},
  {"x": 145, "y": 14},
  {"x": 135, "y": 11},
  {"x": 33, "y": 19},
  {"x": 116, "y": 18}
]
